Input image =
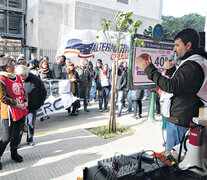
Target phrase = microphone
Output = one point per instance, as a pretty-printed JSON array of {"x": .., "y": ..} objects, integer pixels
[
  {"x": 172, "y": 57},
  {"x": 169, "y": 156}
]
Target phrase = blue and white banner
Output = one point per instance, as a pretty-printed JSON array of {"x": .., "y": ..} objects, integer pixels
[{"x": 76, "y": 44}]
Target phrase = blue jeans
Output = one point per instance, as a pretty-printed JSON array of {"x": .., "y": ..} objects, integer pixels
[
  {"x": 94, "y": 92},
  {"x": 88, "y": 93},
  {"x": 120, "y": 100},
  {"x": 174, "y": 134},
  {"x": 104, "y": 97},
  {"x": 129, "y": 100},
  {"x": 146, "y": 94}
]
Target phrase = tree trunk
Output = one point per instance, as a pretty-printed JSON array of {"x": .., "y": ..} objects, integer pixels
[{"x": 112, "y": 118}]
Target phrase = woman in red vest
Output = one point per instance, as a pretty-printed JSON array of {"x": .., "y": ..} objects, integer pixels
[{"x": 13, "y": 100}]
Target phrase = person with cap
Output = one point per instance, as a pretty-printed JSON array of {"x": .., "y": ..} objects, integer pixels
[
  {"x": 21, "y": 61},
  {"x": 14, "y": 104},
  {"x": 36, "y": 93}
]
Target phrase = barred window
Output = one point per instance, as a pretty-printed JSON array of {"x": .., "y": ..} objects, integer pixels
[
  {"x": 15, "y": 23},
  {"x": 15, "y": 3},
  {"x": 3, "y": 2},
  {"x": 2, "y": 21}
]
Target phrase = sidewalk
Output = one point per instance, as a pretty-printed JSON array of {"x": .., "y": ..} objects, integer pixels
[{"x": 64, "y": 147}]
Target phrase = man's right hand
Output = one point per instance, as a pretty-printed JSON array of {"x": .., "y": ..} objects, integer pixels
[{"x": 168, "y": 64}]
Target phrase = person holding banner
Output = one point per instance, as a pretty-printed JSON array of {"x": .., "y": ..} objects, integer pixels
[
  {"x": 13, "y": 100},
  {"x": 187, "y": 87},
  {"x": 37, "y": 94},
  {"x": 73, "y": 77}
]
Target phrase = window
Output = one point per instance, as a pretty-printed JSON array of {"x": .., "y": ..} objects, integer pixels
[
  {"x": 15, "y": 23},
  {"x": 3, "y": 2},
  {"x": 2, "y": 21},
  {"x": 15, "y": 3},
  {"x": 123, "y": 1}
]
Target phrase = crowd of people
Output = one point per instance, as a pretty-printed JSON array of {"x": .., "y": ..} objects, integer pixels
[
  {"x": 86, "y": 78},
  {"x": 30, "y": 78}
]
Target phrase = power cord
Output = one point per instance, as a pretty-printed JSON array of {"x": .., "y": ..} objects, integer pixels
[
  {"x": 99, "y": 171},
  {"x": 163, "y": 137},
  {"x": 181, "y": 144},
  {"x": 139, "y": 158}
]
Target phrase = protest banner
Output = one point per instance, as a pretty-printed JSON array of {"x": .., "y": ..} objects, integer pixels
[
  {"x": 78, "y": 44},
  {"x": 59, "y": 97}
]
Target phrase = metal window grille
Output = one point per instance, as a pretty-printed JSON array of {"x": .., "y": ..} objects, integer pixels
[
  {"x": 15, "y": 3},
  {"x": 3, "y": 2},
  {"x": 15, "y": 23},
  {"x": 2, "y": 21}
]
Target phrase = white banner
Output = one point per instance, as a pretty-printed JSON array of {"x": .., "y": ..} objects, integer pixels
[
  {"x": 59, "y": 98},
  {"x": 76, "y": 44}
]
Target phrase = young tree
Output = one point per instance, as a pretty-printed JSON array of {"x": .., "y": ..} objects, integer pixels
[
  {"x": 124, "y": 26},
  {"x": 173, "y": 25}
]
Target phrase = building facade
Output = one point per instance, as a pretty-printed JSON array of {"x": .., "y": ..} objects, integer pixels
[
  {"x": 12, "y": 26},
  {"x": 44, "y": 18}
]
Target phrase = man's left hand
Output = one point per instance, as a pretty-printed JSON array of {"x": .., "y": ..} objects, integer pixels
[{"x": 142, "y": 63}]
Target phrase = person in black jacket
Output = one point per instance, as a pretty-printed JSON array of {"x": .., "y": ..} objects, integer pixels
[
  {"x": 97, "y": 82},
  {"x": 185, "y": 87},
  {"x": 120, "y": 85},
  {"x": 36, "y": 93},
  {"x": 92, "y": 73},
  {"x": 84, "y": 78}
]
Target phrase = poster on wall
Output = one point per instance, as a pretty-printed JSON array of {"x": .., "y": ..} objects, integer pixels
[{"x": 159, "y": 51}]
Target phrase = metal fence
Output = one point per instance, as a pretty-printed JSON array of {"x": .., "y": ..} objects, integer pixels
[{"x": 48, "y": 52}]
